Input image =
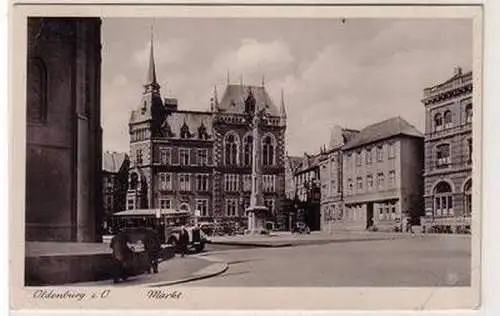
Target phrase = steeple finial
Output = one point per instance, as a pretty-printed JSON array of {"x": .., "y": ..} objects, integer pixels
[
  {"x": 263, "y": 83},
  {"x": 151, "y": 82},
  {"x": 282, "y": 105},
  {"x": 227, "y": 77}
]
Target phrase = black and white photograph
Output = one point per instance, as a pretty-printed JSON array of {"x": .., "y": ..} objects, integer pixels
[{"x": 165, "y": 153}]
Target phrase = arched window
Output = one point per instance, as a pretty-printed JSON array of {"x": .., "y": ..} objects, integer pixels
[
  {"x": 447, "y": 119},
  {"x": 438, "y": 122},
  {"x": 184, "y": 207},
  {"x": 231, "y": 149},
  {"x": 443, "y": 200},
  {"x": 247, "y": 150},
  {"x": 268, "y": 150},
  {"x": 443, "y": 158},
  {"x": 37, "y": 91},
  {"x": 468, "y": 113},
  {"x": 468, "y": 197}
]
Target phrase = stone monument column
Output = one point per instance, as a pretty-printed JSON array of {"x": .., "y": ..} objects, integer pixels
[{"x": 257, "y": 212}]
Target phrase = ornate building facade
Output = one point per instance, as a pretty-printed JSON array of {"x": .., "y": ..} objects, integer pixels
[
  {"x": 382, "y": 176},
  {"x": 448, "y": 153},
  {"x": 63, "y": 137},
  {"x": 196, "y": 160}
]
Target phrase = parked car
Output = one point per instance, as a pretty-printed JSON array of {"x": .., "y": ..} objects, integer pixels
[{"x": 197, "y": 238}]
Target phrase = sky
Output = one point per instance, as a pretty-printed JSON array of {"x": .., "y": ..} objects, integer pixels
[{"x": 350, "y": 73}]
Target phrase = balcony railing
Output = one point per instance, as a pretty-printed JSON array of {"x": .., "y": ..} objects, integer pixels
[{"x": 455, "y": 83}]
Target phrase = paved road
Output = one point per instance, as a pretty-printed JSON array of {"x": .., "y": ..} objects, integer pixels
[{"x": 413, "y": 261}]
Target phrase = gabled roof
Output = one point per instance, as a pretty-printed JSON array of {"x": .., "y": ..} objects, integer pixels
[
  {"x": 392, "y": 127},
  {"x": 233, "y": 99},
  {"x": 113, "y": 161}
]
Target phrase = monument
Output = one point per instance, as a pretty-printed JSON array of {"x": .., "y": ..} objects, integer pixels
[{"x": 257, "y": 212}]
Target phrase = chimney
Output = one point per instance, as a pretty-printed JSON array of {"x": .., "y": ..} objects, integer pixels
[{"x": 457, "y": 71}]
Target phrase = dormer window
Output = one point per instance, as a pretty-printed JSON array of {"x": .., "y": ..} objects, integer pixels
[
  {"x": 202, "y": 132},
  {"x": 185, "y": 131},
  {"x": 250, "y": 103}
]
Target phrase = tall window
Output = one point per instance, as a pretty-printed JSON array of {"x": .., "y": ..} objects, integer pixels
[
  {"x": 443, "y": 200},
  {"x": 468, "y": 113},
  {"x": 184, "y": 182},
  {"x": 468, "y": 197},
  {"x": 247, "y": 182},
  {"x": 202, "y": 206},
  {"x": 165, "y": 157},
  {"x": 358, "y": 158},
  {"x": 231, "y": 150},
  {"x": 130, "y": 204},
  {"x": 165, "y": 181},
  {"x": 37, "y": 91},
  {"x": 231, "y": 207},
  {"x": 333, "y": 188},
  {"x": 380, "y": 153},
  {"x": 202, "y": 157},
  {"x": 165, "y": 203},
  {"x": 231, "y": 182},
  {"x": 438, "y": 122},
  {"x": 469, "y": 150},
  {"x": 391, "y": 150},
  {"x": 350, "y": 188},
  {"x": 184, "y": 156},
  {"x": 447, "y": 119},
  {"x": 247, "y": 150},
  {"x": 359, "y": 184},
  {"x": 138, "y": 156},
  {"x": 268, "y": 151},
  {"x": 392, "y": 178},
  {"x": 380, "y": 181},
  {"x": 369, "y": 157},
  {"x": 202, "y": 182},
  {"x": 369, "y": 182},
  {"x": 443, "y": 158},
  {"x": 268, "y": 183}
]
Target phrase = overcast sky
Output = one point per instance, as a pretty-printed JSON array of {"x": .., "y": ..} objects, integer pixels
[{"x": 353, "y": 73}]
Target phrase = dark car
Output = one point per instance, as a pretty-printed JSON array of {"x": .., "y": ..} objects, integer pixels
[{"x": 197, "y": 239}]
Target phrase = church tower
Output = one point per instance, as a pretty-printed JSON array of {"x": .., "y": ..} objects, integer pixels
[{"x": 145, "y": 123}]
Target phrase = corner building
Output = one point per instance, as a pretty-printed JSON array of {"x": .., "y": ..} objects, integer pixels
[
  {"x": 382, "y": 176},
  {"x": 448, "y": 154},
  {"x": 330, "y": 175},
  {"x": 202, "y": 160}
]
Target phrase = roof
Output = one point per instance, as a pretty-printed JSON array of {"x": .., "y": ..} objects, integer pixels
[
  {"x": 308, "y": 162},
  {"x": 113, "y": 161},
  {"x": 152, "y": 212},
  {"x": 233, "y": 99},
  {"x": 193, "y": 120},
  {"x": 395, "y": 126}
]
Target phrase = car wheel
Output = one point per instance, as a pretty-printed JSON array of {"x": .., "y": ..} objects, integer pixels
[{"x": 200, "y": 247}]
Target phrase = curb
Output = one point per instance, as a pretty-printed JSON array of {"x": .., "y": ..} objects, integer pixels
[
  {"x": 251, "y": 244},
  {"x": 216, "y": 268}
]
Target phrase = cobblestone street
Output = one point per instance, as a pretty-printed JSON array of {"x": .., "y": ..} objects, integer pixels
[{"x": 417, "y": 260}]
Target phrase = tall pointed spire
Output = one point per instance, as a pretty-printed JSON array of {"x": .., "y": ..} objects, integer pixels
[
  {"x": 227, "y": 78},
  {"x": 151, "y": 83},
  {"x": 282, "y": 105},
  {"x": 263, "y": 83}
]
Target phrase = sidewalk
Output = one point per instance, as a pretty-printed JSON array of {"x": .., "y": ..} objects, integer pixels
[
  {"x": 287, "y": 239},
  {"x": 173, "y": 271}
]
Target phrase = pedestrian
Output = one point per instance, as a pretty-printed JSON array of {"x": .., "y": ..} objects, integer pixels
[
  {"x": 121, "y": 255},
  {"x": 183, "y": 241},
  {"x": 409, "y": 228}
]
